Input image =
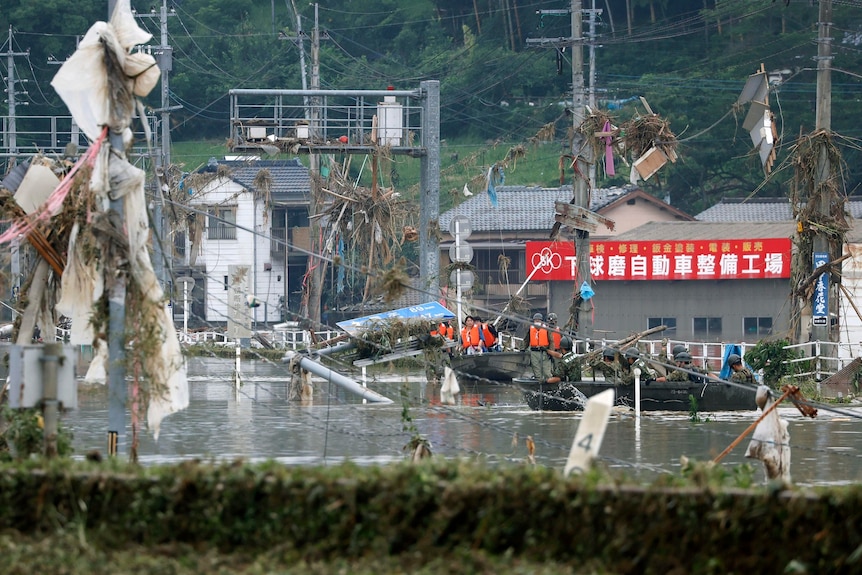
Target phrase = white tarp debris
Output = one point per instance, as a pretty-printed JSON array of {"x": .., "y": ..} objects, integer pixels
[
  {"x": 99, "y": 95},
  {"x": 450, "y": 387},
  {"x": 770, "y": 442}
]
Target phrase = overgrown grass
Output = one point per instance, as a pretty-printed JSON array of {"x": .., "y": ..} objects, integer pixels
[{"x": 460, "y": 162}]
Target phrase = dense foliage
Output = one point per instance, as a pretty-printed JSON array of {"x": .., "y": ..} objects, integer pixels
[
  {"x": 690, "y": 60},
  {"x": 438, "y": 508}
]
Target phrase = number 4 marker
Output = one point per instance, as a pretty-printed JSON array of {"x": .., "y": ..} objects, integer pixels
[{"x": 591, "y": 432}]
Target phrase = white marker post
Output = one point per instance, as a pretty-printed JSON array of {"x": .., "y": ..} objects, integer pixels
[
  {"x": 637, "y": 373},
  {"x": 591, "y": 432}
]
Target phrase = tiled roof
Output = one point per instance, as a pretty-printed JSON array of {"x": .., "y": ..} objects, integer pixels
[
  {"x": 760, "y": 210},
  {"x": 708, "y": 231},
  {"x": 522, "y": 208},
  {"x": 291, "y": 182}
]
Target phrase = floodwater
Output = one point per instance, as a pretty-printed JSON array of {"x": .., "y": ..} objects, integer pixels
[{"x": 490, "y": 423}]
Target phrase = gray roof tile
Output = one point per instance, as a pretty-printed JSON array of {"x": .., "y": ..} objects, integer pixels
[
  {"x": 708, "y": 231},
  {"x": 760, "y": 210},
  {"x": 522, "y": 208},
  {"x": 291, "y": 182}
]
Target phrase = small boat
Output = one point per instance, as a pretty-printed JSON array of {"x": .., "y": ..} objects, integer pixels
[
  {"x": 657, "y": 396},
  {"x": 492, "y": 365},
  {"x": 562, "y": 396}
]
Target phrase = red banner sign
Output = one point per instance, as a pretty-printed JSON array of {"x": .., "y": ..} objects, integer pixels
[{"x": 665, "y": 260}]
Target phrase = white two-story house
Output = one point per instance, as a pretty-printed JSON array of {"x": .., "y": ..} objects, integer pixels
[{"x": 251, "y": 241}]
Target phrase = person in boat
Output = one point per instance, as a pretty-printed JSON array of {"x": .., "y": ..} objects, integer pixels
[
  {"x": 685, "y": 370},
  {"x": 471, "y": 342},
  {"x": 632, "y": 360},
  {"x": 741, "y": 374},
  {"x": 445, "y": 330},
  {"x": 487, "y": 333},
  {"x": 568, "y": 365},
  {"x": 668, "y": 361},
  {"x": 538, "y": 342},
  {"x": 609, "y": 366}
]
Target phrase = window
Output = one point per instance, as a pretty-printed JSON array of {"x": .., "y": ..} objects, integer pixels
[
  {"x": 759, "y": 326},
  {"x": 670, "y": 322},
  {"x": 487, "y": 263},
  {"x": 221, "y": 222},
  {"x": 706, "y": 328},
  {"x": 297, "y": 217}
]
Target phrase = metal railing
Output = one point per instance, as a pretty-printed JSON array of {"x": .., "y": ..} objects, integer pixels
[
  {"x": 50, "y": 134},
  {"x": 344, "y": 118},
  {"x": 292, "y": 339}
]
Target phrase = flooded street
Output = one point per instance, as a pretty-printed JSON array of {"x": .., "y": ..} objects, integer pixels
[{"x": 259, "y": 423}]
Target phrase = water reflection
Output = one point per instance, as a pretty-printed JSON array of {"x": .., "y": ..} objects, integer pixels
[{"x": 489, "y": 423}]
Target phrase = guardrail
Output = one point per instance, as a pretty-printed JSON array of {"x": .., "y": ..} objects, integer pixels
[{"x": 292, "y": 339}]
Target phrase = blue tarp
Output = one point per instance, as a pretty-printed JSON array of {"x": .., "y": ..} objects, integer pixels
[
  {"x": 431, "y": 311},
  {"x": 730, "y": 348}
]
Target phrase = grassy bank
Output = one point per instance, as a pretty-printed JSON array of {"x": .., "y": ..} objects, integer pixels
[{"x": 461, "y": 161}]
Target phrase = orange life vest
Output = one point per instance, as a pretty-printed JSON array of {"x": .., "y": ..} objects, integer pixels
[
  {"x": 490, "y": 340},
  {"x": 556, "y": 336},
  {"x": 470, "y": 338},
  {"x": 443, "y": 330},
  {"x": 538, "y": 337}
]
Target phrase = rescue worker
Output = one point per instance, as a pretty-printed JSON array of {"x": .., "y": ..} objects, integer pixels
[
  {"x": 632, "y": 360},
  {"x": 555, "y": 337},
  {"x": 741, "y": 374},
  {"x": 538, "y": 341},
  {"x": 671, "y": 360},
  {"x": 471, "y": 343},
  {"x": 445, "y": 330},
  {"x": 488, "y": 337},
  {"x": 568, "y": 367},
  {"x": 686, "y": 371},
  {"x": 609, "y": 366}
]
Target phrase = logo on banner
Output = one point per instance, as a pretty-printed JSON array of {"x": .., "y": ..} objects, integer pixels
[{"x": 546, "y": 260}]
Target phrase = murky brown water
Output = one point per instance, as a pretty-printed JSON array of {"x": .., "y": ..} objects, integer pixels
[{"x": 258, "y": 423}]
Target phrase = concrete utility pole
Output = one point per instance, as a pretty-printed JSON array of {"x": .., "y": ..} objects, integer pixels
[
  {"x": 116, "y": 288},
  {"x": 316, "y": 263},
  {"x": 429, "y": 184},
  {"x": 12, "y": 143},
  {"x": 164, "y": 56},
  {"x": 823, "y": 331},
  {"x": 582, "y": 151}
]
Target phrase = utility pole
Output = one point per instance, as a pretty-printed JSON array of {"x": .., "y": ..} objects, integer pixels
[
  {"x": 583, "y": 154},
  {"x": 316, "y": 263},
  {"x": 821, "y": 331},
  {"x": 12, "y": 143},
  {"x": 116, "y": 291},
  {"x": 164, "y": 56},
  {"x": 592, "y": 86}
]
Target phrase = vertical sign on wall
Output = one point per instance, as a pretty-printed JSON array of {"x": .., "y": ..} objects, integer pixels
[
  {"x": 238, "y": 313},
  {"x": 820, "y": 305}
]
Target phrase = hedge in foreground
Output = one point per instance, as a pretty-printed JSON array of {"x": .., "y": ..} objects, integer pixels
[{"x": 350, "y": 511}]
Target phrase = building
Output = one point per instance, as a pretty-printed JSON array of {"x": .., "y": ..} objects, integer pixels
[
  {"x": 499, "y": 234},
  {"x": 706, "y": 281},
  {"x": 761, "y": 210},
  {"x": 256, "y": 219}
]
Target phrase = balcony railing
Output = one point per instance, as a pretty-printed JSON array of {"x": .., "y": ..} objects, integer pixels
[
  {"x": 276, "y": 243},
  {"x": 221, "y": 233}
]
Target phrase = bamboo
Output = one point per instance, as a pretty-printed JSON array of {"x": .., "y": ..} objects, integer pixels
[{"x": 751, "y": 427}]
